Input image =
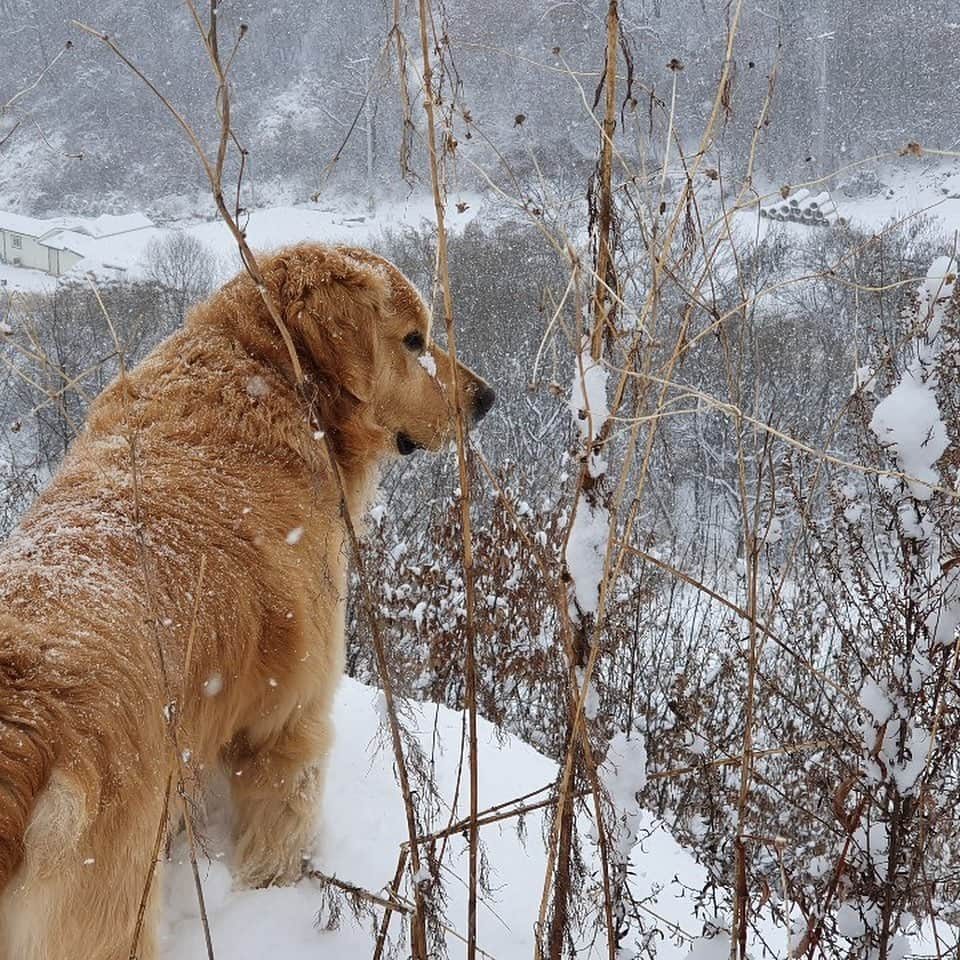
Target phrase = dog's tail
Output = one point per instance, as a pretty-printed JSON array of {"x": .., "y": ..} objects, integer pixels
[{"x": 29, "y": 736}]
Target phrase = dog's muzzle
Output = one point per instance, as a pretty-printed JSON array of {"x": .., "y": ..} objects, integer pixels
[{"x": 482, "y": 402}]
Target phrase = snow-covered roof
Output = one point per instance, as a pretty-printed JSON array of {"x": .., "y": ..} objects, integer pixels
[
  {"x": 29, "y": 226},
  {"x": 72, "y": 240},
  {"x": 107, "y": 225}
]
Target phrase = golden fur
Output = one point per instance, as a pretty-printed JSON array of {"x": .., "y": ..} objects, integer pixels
[{"x": 201, "y": 456}]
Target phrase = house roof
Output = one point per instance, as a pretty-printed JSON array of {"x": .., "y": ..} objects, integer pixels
[
  {"x": 29, "y": 226},
  {"x": 89, "y": 238},
  {"x": 109, "y": 225},
  {"x": 79, "y": 243},
  {"x": 94, "y": 227}
]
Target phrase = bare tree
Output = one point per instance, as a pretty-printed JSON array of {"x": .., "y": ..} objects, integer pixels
[{"x": 184, "y": 269}]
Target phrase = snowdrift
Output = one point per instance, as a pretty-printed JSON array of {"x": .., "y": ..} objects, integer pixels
[{"x": 363, "y": 826}]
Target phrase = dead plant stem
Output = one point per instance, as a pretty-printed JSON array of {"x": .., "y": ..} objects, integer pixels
[{"x": 466, "y": 539}]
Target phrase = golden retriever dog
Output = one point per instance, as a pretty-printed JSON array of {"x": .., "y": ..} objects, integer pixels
[{"x": 183, "y": 577}]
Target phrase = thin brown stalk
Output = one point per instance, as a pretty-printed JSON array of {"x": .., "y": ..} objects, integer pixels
[
  {"x": 188, "y": 655},
  {"x": 153, "y": 620},
  {"x": 590, "y": 496},
  {"x": 195, "y": 866},
  {"x": 165, "y": 815},
  {"x": 740, "y": 612},
  {"x": 418, "y": 937},
  {"x": 736, "y": 413},
  {"x": 499, "y": 816},
  {"x": 214, "y": 173},
  {"x": 406, "y": 112},
  {"x": 9, "y": 133},
  {"x": 6, "y": 105},
  {"x": 394, "y": 895},
  {"x": 390, "y": 904},
  {"x": 151, "y": 873},
  {"x": 466, "y": 539}
]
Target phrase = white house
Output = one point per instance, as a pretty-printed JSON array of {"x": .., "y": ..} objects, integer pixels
[{"x": 55, "y": 246}]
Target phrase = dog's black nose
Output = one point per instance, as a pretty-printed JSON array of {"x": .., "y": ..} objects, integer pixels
[{"x": 482, "y": 402}]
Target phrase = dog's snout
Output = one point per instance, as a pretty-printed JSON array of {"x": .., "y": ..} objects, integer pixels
[{"x": 482, "y": 402}]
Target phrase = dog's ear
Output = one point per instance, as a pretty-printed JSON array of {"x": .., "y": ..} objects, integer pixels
[{"x": 332, "y": 305}]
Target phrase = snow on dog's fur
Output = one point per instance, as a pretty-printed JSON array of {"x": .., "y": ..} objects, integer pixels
[{"x": 200, "y": 458}]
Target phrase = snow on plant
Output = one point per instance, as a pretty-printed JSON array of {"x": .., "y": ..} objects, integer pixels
[
  {"x": 907, "y": 421},
  {"x": 622, "y": 775},
  {"x": 904, "y": 680},
  {"x": 588, "y": 403},
  {"x": 586, "y": 555},
  {"x": 587, "y": 544}
]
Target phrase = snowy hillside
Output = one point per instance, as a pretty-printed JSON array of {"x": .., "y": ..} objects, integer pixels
[{"x": 363, "y": 827}]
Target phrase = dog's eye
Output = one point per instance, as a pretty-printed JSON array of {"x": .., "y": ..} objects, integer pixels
[{"x": 414, "y": 341}]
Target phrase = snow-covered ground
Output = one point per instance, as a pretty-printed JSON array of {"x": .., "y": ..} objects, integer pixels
[
  {"x": 906, "y": 189},
  {"x": 342, "y": 222},
  {"x": 16, "y": 278},
  {"x": 363, "y": 827}
]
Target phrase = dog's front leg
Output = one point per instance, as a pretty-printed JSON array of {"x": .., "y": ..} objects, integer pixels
[{"x": 277, "y": 782}]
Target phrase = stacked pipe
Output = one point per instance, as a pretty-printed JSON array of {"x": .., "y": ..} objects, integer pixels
[{"x": 802, "y": 207}]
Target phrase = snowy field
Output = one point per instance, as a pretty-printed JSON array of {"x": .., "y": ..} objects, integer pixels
[
  {"x": 908, "y": 189},
  {"x": 267, "y": 228},
  {"x": 363, "y": 827}
]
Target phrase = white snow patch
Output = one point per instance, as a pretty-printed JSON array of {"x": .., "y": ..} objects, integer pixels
[
  {"x": 586, "y": 553},
  {"x": 875, "y": 700},
  {"x": 588, "y": 397},
  {"x": 257, "y": 386},
  {"x": 849, "y": 922},
  {"x": 623, "y": 772},
  {"x": 365, "y": 811},
  {"x": 710, "y": 948},
  {"x": 908, "y": 422},
  {"x": 864, "y": 379}
]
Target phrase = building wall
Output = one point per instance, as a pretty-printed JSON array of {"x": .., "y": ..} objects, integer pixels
[
  {"x": 20, "y": 247},
  {"x": 68, "y": 260},
  {"x": 34, "y": 255}
]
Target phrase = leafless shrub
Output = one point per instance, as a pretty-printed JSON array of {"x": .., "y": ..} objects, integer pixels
[{"x": 184, "y": 271}]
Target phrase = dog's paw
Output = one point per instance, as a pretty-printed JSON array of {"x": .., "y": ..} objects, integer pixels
[{"x": 272, "y": 874}]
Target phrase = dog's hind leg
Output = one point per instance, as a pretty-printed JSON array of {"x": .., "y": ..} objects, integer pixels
[{"x": 276, "y": 779}]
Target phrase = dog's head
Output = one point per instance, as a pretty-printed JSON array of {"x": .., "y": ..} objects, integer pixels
[{"x": 362, "y": 333}]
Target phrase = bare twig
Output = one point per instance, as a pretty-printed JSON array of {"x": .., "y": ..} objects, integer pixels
[{"x": 464, "y": 479}]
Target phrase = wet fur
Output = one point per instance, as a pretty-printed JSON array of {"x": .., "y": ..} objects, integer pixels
[{"x": 200, "y": 456}]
